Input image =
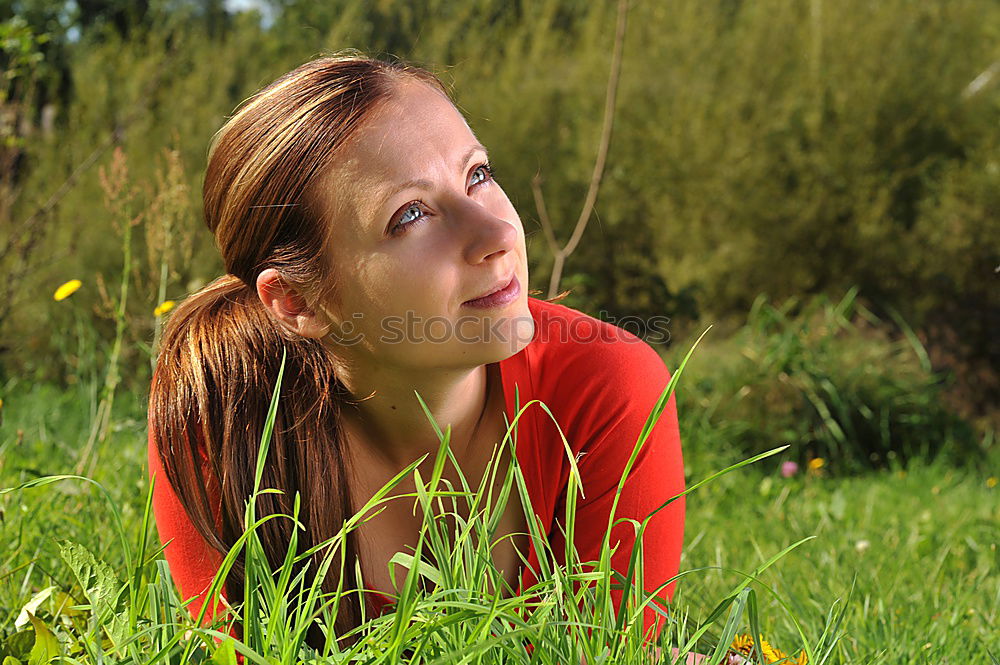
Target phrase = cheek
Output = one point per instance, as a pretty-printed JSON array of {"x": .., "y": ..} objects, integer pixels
[
  {"x": 367, "y": 285},
  {"x": 418, "y": 279}
]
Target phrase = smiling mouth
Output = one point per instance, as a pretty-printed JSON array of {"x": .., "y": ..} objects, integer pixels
[
  {"x": 500, "y": 295},
  {"x": 499, "y": 287}
]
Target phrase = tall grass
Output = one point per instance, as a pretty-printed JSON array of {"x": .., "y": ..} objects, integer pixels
[{"x": 452, "y": 607}]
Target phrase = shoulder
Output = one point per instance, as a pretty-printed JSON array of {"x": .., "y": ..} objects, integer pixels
[
  {"x": 594, "y": 376},
  {"x": 575, "y": 345}
]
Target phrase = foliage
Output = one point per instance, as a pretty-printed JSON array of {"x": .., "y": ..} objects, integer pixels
[
  {"x": 786, "y": 148},
  {"x": 918, "y": 547},
  {"x": 832, "y": 380}
]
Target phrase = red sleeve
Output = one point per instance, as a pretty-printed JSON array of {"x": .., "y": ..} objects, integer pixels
[
  {"x": 193, "y": 563},
  {"x": 631, "y": 377}
]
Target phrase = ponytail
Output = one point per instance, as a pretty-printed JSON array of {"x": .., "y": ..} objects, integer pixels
[
  {"x": 265, "y": 201},
  {"x": 216, "y": 370}
]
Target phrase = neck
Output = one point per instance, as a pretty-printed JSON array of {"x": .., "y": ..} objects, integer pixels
[{"x": 387, "y": 419}]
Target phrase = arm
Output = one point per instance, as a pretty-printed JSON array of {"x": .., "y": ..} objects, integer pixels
[
  {"x": 193, "y": 563},
  {"x": 634, "y": 377}
]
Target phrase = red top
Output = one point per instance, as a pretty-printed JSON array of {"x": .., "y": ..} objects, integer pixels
[{"x": 600, "y": 382}]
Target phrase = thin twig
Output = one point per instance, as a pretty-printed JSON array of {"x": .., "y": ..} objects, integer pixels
[
  {"x": 543, "y": 213},
  {"x": 981, "y": 81},
  {"x": 560, "y": 255}
]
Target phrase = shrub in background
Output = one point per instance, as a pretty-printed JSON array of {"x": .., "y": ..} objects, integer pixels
[
  {"x": 829, "y": 378},
  {"x": 758, "y": 146}
]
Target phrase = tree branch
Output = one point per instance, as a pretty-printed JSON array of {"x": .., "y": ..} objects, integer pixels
[{"x": 599, "y": 164}]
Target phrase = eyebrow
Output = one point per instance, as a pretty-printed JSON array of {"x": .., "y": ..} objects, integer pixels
[{"x": 421, "y": 183}]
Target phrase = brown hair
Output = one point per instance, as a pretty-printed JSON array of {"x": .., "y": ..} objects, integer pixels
[{"x": 221, "y": 349}]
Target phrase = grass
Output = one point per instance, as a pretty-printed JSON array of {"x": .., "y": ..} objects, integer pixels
[
  {"x": 919, "y": 547},
  {"x": 567, "y": 617},
  {"x": 908, "y": 558}
]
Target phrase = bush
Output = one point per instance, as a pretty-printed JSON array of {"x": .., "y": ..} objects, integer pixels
[
  {"x": 829, "y": 378},
  {"x": 765, "y": 146}
]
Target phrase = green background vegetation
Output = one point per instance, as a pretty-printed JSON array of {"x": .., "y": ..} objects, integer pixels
[{"x": 784, "y": 148}]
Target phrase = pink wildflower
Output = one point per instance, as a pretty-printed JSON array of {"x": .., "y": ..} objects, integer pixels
[{"x": 789, "y": 469}]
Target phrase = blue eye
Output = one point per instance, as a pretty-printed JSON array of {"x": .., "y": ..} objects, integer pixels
[
  {"x": 487, "y": 174},
  {"x": 411, "y": 213}
]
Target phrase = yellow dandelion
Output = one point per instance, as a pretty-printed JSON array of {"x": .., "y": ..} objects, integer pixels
[
  {"x": 164, "y": 307},
  {"x": 67, "y": 289},
  {"x": 991, "y": 482},
  {"x": 816, "y": 463},
  {"x": 742, "y": 644},
  {"x": 768, "y": 651},
  {"x": 776, "y": 655}
]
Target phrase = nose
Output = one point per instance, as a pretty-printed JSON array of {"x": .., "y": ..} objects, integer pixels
[{"x": 486, "y": 235}]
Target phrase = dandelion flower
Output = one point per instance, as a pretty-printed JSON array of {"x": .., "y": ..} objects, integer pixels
[
  {"x": 816, "y": 463},
  {"x": 163, "y": 307},
  {"x": 991, "y": 482},
  {"x": 743, "y": 646},
  {"x": 772, "y": 654},
  {"x": 67, "y": 289}
]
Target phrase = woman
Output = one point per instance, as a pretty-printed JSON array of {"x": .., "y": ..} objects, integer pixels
[{"x": 364, "y": 234}]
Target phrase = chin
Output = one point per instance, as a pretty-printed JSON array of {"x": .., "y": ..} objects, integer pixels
[
  {"x": 496, "y": 336},
  {"x": 516, "y": 331}
]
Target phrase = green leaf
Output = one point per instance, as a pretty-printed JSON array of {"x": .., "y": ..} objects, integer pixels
[
  {"x": 10, "y": 660},
  {"x": 225, "y": 654},
  {"x": 19, "y": 644},
  {"x": 100, "y": 585},
  {"x": 46, "y": 645},
  {"x": 61, "y": 602},
  {"x": 729, "y": 630},
  {"x": 423, "y": 568},
  {"x": 31, "y": 607}
]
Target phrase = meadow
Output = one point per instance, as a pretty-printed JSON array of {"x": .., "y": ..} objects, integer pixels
[{"x": 892, "y": 566}]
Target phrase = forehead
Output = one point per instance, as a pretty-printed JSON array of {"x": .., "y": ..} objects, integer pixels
[{"x": 414, "y": 134}]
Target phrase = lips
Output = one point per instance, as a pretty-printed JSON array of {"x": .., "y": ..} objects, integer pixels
[{"x": 500, "y": 286}]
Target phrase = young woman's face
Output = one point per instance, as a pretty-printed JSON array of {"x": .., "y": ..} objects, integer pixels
[{"x": 420, "y": 227}]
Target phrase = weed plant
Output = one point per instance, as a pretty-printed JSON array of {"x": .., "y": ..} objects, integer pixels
[{"x": 760, "y": 145}]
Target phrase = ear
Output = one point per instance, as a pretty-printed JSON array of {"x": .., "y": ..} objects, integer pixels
[{"x": 288, "y": 306}]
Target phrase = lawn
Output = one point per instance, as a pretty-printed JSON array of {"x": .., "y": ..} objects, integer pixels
[{"x": 912, "y": 553}]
